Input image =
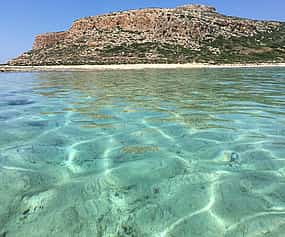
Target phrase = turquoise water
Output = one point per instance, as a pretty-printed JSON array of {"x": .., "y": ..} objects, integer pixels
[{"x": 157, "y": 153}]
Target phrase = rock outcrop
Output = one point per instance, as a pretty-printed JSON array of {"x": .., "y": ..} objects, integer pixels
[{"x": 191, "y": 33}]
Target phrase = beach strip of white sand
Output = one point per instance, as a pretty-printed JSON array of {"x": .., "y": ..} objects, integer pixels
[{"x": 6, "y": 68}]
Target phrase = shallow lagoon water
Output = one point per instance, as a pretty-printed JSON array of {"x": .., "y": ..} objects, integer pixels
[{"x": 143, "y": 153}]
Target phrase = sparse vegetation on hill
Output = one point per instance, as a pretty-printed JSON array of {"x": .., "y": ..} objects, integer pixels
[{"x": 192, "y": 33}]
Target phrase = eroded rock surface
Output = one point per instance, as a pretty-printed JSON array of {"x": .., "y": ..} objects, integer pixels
[{"x": 191, "y": 33}]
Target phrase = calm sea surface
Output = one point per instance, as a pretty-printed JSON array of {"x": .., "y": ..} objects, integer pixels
[{"x": 159, "y": 153}]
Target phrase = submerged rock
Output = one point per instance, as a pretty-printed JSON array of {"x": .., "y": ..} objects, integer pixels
[
  {"x": 234, "y": 159},
  {"x": 20, "y": 102},
  {"x": 3, "y": 234},
  {"x": 3, "y": 117},
  {"x": 38, "y": 124}
]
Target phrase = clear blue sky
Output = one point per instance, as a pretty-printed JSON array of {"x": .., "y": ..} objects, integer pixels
[{"x": 21, "y": 20}]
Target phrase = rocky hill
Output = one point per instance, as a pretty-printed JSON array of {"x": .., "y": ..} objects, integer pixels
[{"x": 191, "y": 33}]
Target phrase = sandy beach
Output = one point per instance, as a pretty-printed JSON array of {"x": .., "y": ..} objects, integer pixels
[{"x": 6, "y": 68}]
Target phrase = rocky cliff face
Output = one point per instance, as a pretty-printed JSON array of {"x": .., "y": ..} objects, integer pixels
[{"x": 191, "y": 33}]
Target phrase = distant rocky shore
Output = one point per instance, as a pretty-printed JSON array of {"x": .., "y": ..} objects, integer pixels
[{"x": 186, "y": 34}]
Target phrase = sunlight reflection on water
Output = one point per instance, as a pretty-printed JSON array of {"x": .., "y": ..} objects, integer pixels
[{"x": 143, "y": 153}]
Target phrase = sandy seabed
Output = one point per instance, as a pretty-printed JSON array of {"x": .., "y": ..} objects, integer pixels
[{"x": 143, "y": 153}]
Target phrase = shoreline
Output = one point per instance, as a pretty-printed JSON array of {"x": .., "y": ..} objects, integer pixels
[{"x": 70, "y": 68}]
